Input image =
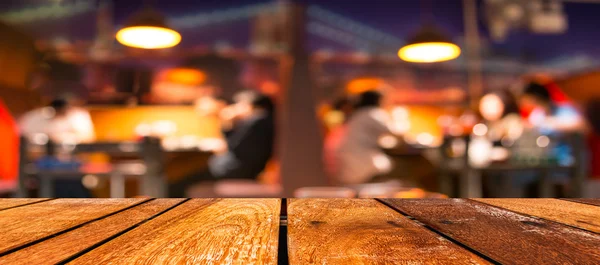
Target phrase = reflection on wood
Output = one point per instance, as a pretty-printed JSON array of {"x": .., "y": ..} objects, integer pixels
[
  {"x": 571, "y": 213},
  {"x": 22, "y": 225},
  {"x": 10, "y": 203},
  {"x": 342, "y": 231},
  {"x": 61, "y": 247},
  {"x": 502, "y": 235},
  {"x": 199, "y": 231}
]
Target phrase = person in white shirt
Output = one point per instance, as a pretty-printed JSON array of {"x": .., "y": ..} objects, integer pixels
[
  {"x": 59, "y": 122},
  {"x": 360, "y": 158}
]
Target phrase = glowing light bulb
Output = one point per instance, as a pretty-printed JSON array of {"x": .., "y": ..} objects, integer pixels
[
  {"x": 148, "y": 37},
  {"x": 429, "y": 52}
]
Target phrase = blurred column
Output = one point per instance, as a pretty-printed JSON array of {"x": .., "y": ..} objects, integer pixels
[
  {"x": 300, "y": 145},
  {"x": 473, "y": 54}
]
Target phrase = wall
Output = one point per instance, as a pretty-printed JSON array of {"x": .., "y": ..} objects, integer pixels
[
  {"x": 17, "y": 59},
  {"x": 114, "y": 123}
]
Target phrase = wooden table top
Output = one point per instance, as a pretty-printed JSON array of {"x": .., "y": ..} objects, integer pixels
[{"x": 299, "y": 231}]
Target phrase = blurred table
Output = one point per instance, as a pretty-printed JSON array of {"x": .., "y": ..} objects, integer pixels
[
  {"x": 299, "y": 231},
  {"x": 145, "y": 161},
  {"x": 470, "y": 176}
]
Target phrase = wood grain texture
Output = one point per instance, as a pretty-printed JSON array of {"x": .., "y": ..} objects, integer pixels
[
  {"x": 199, "y": 231},
  {"x": 10, "y": 203},
  {"x": 22, "y": 225},
  {"x": 364, "y": 231},
  {"x": 502, "y": 235},
  {"x": 61, "y": 247},
  {"x": 571, "y": 213},
  {"x": 586, "y": 201}
]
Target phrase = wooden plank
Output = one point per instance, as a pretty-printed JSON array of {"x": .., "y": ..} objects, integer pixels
[
  {"x": 586, "y": 201},
  {"x": 199, "y": 231},
  {"x": 10, "y": 203},
  {"x": 364, "y": 231},
  {"x": 59, "y": 248},
  {"x": 571, "y": 213},
  {"x": 502, "y": 235},
  {"x": 23, "y": 225}
]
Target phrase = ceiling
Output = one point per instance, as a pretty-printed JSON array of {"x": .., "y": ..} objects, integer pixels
[{"x": 75, "y": 20}]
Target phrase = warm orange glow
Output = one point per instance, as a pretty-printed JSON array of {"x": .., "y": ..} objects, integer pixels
[
  {"x": 147, "y": 37},
  {"x": 429, "y": 52},
  {"x": 119, "y": 124},
  {"x": 360, "y": 85},
  {"x": 191, "y": 77}
]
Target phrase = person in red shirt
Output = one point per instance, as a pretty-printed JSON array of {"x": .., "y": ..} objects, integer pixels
[
  {"x": 593, "y": 117},
  {"x": 9, "y": 140}
]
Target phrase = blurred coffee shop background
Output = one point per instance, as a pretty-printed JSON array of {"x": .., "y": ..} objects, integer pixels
[{"x": 378, "y": 98}]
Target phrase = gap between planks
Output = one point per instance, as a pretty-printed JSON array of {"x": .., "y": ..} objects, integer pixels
[
  {"x": 71, "y": 228},
  {"x": 83, "y": 252},
  {"x": 547, "y": 219},
  {"x": 28, "y": 203},
  {"x": 467, "y": 248}
]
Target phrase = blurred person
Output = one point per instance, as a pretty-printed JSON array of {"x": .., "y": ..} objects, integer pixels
[
  {"x": 359, "y": 156},
  {"x": 537, "y": 106},
  {"x": 248, "y": 126},
  {"x": 501, "y": 115},
  {"x": 60, "y": 121},
  {"x": 592, "y": 114},
  {"x": 342, "y": 108},
  {"x": 9, "y": 161},
  {"x": 549, "y": 118}
]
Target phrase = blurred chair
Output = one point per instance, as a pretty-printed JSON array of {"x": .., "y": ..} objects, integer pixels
[
  {"x": 149, "y": 168},
  {"x": 378, "y": 190},
  {"x": 246, "y": 188},
  {"x": 235, "y": 188},
  {"x": 266, "y": 186},
  {"x": 324, "y": 192},
  {"x": 416, "y": 193}
]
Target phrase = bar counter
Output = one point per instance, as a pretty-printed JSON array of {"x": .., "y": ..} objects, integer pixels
[{"x": 299, "y": 231}]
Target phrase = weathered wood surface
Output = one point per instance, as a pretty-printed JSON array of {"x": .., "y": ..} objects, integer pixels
[
  {"x": 364, "y": 231},
  {"x": 586, "y": 201},
  {"x": 571, "y": 213},
  {"x": 502, "y": 235},
  {"x": 62, "y": 247},
  {"x": 11, "y": 203},
  {"x": 23, "y": 225},
  {"x": 199, "y": 231}
]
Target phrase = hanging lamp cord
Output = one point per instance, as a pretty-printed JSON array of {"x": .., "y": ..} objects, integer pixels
[{"x": 427, "y": 12}]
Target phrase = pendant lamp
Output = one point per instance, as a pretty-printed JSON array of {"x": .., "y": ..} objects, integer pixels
[
  {"x": 147, "y": 29},
  {"x": 429, "y": 44}
]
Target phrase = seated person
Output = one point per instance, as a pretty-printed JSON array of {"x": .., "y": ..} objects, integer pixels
[
  {"x": 60, "y": 121},
  {"x": 501, "y": 114},
  {"x": 359, "y": 157},
  {"x": 249, "y": 131},
  {"x": 547, "y": 117},
  {"x": 543, "y": 113},
  {"x": 343, "y": 108},
  {"x": 9, "y": 139}
]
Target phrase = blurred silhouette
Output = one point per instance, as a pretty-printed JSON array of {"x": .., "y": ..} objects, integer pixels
[
  {"x": 10, "y": 142},
  {"x": 60, "y": 121},
  {"x": 248, "y": 126},
  {"x": 501, "y": 113},
  {"x": 593, "y": 116},
  {"x": 360, "y": 159},
  {"x": 549, "y": 119},
  {"x": 342, "y": 108},
  {"x": 542, "y": 112}
]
